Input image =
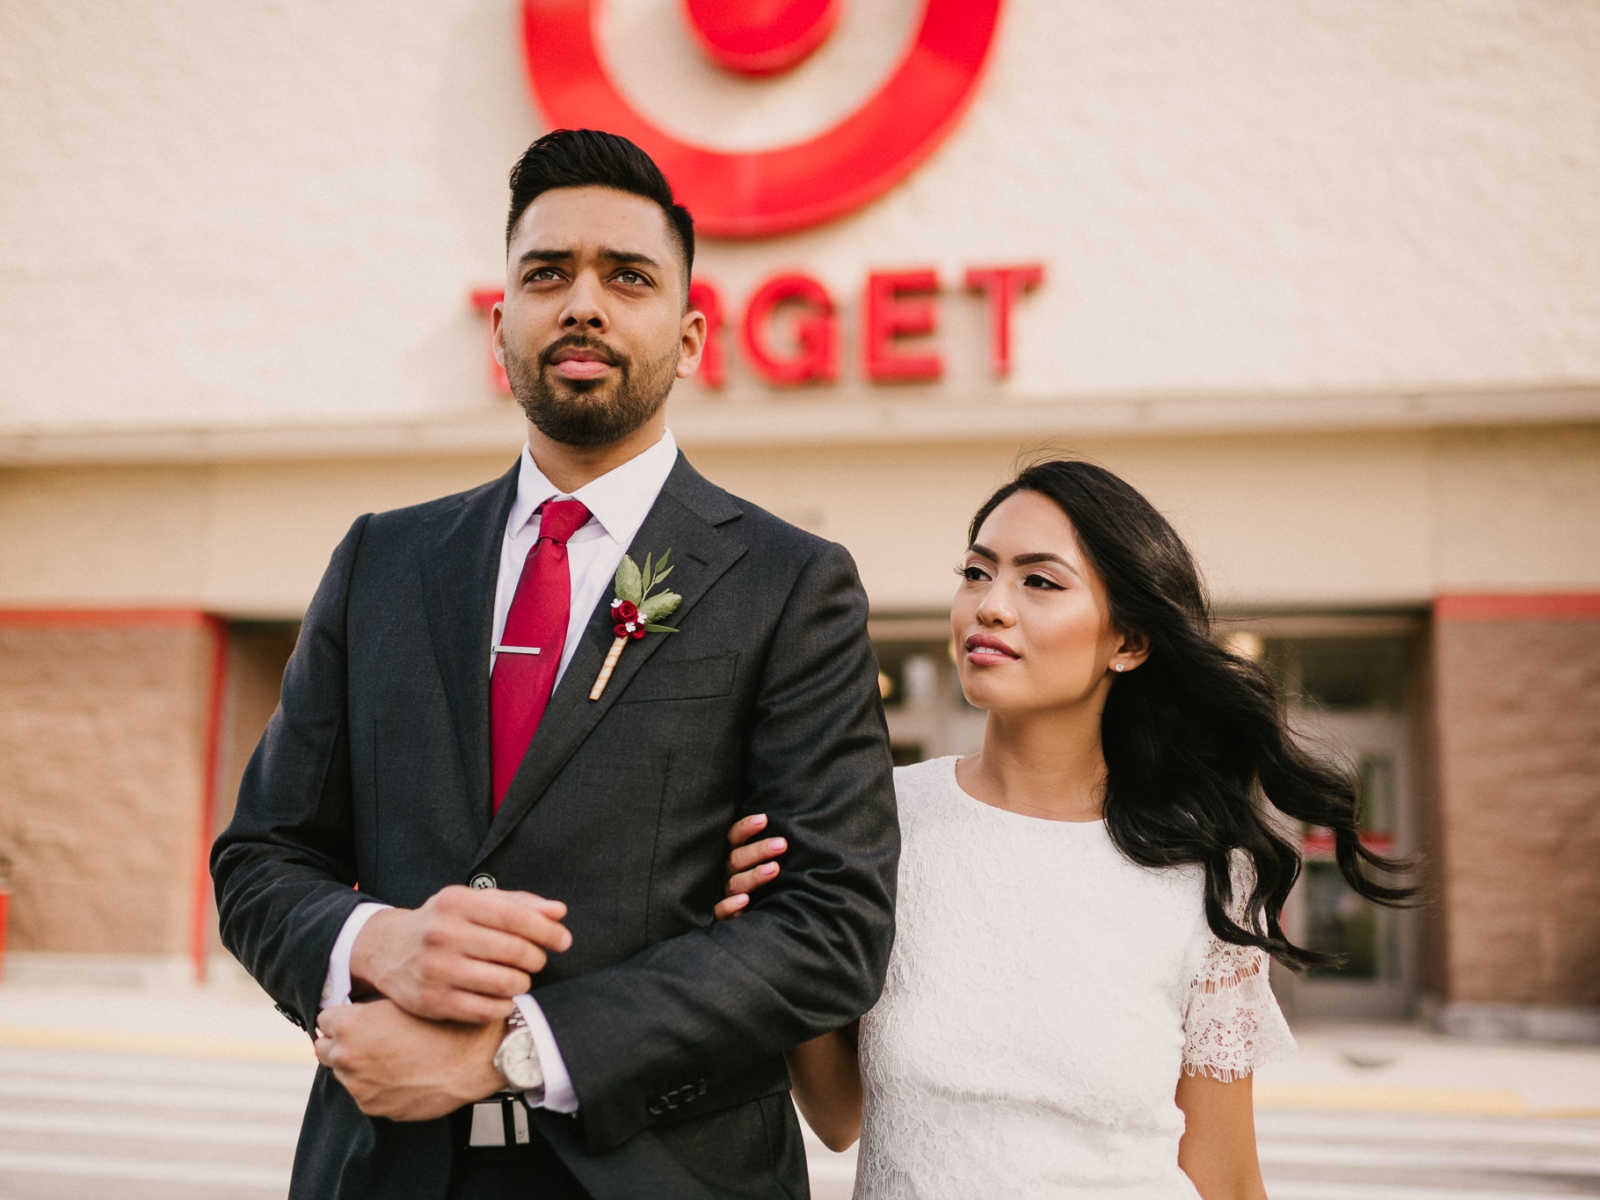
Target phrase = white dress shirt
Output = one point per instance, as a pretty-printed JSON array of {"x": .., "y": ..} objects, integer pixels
[{"x": 618, "y": 503}]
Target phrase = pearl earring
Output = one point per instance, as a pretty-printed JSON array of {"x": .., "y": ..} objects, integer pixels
[{"x": 1117, "y": 667}]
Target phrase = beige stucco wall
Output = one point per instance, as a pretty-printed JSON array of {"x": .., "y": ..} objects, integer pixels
[
  {"x": 271, "y": 215},
  {"x": 1318, "y": 279},
  {"x": 1328, "y": 519}
]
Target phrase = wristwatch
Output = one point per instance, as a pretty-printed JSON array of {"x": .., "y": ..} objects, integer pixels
[{"x": 517, "y": 1059}]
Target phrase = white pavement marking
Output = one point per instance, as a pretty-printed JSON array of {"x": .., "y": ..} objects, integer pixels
[
  {"x": 129, "y": 1094},
  {"x": 1383, "y": 1191},
  {"x": 1459, "y": 1157},
  {"x": 76, "y": 1064},
  {"x": 131, "y": 1169},
  {"x": 211, "y": 1133},
  {"x": 1552, "y": 1131}
]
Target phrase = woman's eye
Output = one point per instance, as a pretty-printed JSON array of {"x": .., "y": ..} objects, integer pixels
[
  {"x": 972, "y": 574},
  {"x": 1042, "y": 581}
]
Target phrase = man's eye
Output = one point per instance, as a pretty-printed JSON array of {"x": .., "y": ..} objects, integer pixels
[
  {"x": 632, "y": 278},
  {"x": 540, "y": 275}
]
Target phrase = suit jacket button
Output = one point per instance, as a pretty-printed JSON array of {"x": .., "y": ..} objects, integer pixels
[{"x": 482, "y": 880}]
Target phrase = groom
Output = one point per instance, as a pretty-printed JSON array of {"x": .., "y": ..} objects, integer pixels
[{"x": 513, "y": 867}]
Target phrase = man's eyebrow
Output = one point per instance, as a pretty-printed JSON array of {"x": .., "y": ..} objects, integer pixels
[
  {"x": 632, "y": 258},
  {"x": 539, "y": 254}
]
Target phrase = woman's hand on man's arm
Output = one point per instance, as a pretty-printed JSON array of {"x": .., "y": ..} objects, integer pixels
[{"x": 751, "y": 863}]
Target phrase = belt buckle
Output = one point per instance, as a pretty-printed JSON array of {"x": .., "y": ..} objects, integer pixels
[{"x": 501, "y": 1120}]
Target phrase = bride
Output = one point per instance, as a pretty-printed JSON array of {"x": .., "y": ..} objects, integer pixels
[{"x": 1077, "y": 996}]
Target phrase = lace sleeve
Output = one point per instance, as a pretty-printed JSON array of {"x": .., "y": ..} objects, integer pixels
[{"x": 1233, "y": 1023}]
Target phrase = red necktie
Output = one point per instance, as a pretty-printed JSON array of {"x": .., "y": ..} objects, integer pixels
[{"x": 529, "y": 653}]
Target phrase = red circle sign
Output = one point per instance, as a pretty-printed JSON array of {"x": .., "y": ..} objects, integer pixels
[
  {"x": 787, "y": 187},
  {"x": 761, "y": 37}
]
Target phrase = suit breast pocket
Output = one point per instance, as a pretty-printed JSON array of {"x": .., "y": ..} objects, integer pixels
[{"x": 683, "y": 678}]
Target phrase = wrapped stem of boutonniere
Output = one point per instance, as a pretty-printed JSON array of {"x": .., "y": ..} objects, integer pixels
[{"x": 637, "y": 609}]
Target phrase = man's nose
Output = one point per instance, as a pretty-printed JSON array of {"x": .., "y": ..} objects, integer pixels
[{"x": 584, "y": 308}]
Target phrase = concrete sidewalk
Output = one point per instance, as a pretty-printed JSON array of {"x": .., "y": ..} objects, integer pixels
[{"x": 131, "y": 1006}]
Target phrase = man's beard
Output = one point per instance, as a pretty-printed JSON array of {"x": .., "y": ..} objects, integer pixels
[{"x": 574, "y": 412}]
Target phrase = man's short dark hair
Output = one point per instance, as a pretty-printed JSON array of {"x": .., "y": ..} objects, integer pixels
[{"x": 590, "y": 158}]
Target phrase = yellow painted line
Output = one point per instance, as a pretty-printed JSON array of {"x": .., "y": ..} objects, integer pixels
[
  {"x": 180, "y": 1045},
  {"x": 1372, "y": 1098}
]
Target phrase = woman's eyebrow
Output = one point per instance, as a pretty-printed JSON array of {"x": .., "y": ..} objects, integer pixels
[{"x": 1024, "y": 560}]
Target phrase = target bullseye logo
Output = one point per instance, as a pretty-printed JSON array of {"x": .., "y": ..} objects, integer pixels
[
  {"x": 761, "y": 37},
  {"x": 786, "y": 187}
]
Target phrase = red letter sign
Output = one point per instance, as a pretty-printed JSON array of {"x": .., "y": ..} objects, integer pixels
[
  {"x": 484, "y": 299},
  {"x": 886, "y": 316},
  {"x": 1002, "y": 285},
  {"x": 816, "y": 335},
  {"x": 705, "y": 297}
]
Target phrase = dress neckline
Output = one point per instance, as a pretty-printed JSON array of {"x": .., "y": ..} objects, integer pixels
[{"x": 947, "y": 771}]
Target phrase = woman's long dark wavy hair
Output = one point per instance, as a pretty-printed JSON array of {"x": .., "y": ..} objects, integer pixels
[{"x": 1196, "y": 735}]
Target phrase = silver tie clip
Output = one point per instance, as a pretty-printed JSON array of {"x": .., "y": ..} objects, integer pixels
[{"x": 516, "y": 649}]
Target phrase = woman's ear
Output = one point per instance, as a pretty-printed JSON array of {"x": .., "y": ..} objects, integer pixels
[{"x": 1130, "y": 652}]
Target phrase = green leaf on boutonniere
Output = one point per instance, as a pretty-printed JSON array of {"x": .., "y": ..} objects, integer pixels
[
  {"x": 660, "y": 605},
  {"x": 629, "y": 583},
  {"x": 634, "y": 588}
]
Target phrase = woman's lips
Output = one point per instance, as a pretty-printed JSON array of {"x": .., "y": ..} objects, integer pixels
[{"x": 983, "y": 651}]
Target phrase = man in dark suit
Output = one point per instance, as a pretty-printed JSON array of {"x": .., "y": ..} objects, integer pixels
[{"x": 515, "y": 868}]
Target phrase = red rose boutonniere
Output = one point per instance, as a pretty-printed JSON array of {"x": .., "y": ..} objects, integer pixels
[{"x": 636, "y": 610}]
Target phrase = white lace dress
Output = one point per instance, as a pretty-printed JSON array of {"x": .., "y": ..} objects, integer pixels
[{"x": 1042, "y": 997}]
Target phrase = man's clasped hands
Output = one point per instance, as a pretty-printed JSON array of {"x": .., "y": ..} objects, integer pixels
[{"x": 436, "y": 985}]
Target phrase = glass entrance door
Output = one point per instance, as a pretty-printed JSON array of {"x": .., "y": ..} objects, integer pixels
[{"x": 1376, "y": 977}]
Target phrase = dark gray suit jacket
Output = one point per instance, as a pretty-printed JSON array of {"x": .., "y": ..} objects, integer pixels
[{"x": 374, "y": 771}]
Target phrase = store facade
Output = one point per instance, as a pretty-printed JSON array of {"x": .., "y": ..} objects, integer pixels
[{"x": 1327, "y": 306}]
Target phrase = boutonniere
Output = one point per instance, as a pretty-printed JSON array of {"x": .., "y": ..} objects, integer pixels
[{"x": 636, "y": 609}]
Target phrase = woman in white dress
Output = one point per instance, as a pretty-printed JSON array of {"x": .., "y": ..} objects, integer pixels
[{"x": 1077, "y": 997}]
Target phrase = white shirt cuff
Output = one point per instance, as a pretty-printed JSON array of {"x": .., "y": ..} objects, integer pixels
[
  {"x": 336, "y": 986},
  {"x": 558, "y": 1094}
]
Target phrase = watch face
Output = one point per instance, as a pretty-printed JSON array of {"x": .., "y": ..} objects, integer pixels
[{"x": 518, "y": 1061}]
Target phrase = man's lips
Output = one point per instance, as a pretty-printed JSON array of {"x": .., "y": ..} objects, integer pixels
[
  {"x": 984, "y": 649},
  {"x": 580, "y": 362},
  {"x": 581, "y": 368}
]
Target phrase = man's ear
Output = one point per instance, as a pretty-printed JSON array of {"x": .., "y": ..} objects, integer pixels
[
  {"x": 1130, "y": 652},
  {"x": 691, "y": 342},
  {"x": 497, "y": 341}
]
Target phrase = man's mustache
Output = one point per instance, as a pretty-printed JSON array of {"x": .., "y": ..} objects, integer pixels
[{"x": 574, "y": 341}]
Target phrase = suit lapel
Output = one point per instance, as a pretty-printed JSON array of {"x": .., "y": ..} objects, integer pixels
[
  {"x": 459, "y": 553},
  {"x": 687, "y": 518}
]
